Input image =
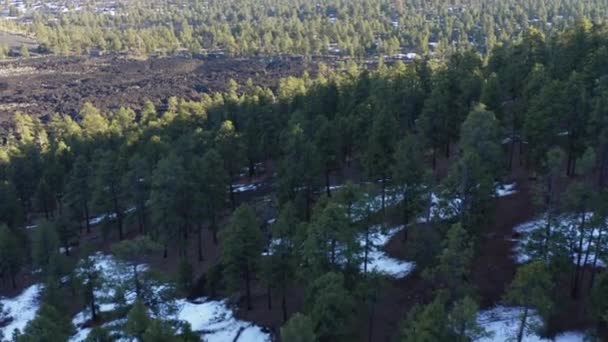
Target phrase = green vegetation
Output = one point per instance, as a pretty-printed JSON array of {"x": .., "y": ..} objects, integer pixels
[{"x": 155, "y": 180}]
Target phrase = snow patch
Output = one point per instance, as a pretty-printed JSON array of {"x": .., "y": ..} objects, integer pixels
[
  {"x": 214, "y": 319},
  {"x": 217, "y": 322},
  {"x": 21, "y": 309},
  {"x": 503, "y": 324},
  {"x": 381, "y": 262},
  {"x": 503, "y": 190},
  {"x": 238, "y": 188},
  {"x": 565, "y": 229}
]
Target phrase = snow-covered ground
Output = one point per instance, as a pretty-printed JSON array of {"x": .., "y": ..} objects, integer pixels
[
  {"x": 21, "y": 309},
  {"x": 217, "y": 322},
  {"x": 503, "y": 190},
  {"x": 245, "y": 187},
  {"x": 502, "y": 323},
  {"x": 379, "y": 261},
  {"x": 565, "y": 230},
  {"x": 214, "y": 319}
]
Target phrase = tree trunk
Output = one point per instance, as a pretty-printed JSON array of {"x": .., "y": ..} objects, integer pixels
[
  {"x": 521, "y": 153},
  {"x": 598, "y": 250},
  {"x": 327, "y": 186},
  {"x": 269, "y": 297},
  {"x": 86, "y": 216},
  {"x": 136, "y": 279},
  {"x": 13, "y": 281},
  {"x": 522, "y": 325},
  {"x": 308, "y": 204},
  {"x": 547, "y": 235},
  {"x": 200, "y": 242},
  {"x": 383, "y": 194},
  {"x": 511, "y": 152},
  {"x": 586, "y": 260},
  {"x": 366, "y": 252},
  {"x": 251, "y": 169},
  {"x": 92, "y": 302},
  {"x": 214, "y": 228},
  {"x": 370, "y": 322},
  {"x": 232, "y": 196},
  {"x": 284, "y": 305},
  {"x": 577, "y": 271},
  {"x": 603, "y": 167},
  {"x": 406, "y": 218},
  {"x": 434, "y": 159},
  {"x": 142, "y": 219},
  {"x": 248, "y": 288}
]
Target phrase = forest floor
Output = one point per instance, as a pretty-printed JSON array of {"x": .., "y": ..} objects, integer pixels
[{"x": 494, "y": 266}]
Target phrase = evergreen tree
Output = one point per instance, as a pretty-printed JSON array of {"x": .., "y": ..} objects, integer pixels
[
  {"x": 133, "y": 252},
  {"x": 169, "y": 186},
  {"x": 427, "y": 323},
  {"x": 407, "y": 175},
  {"x": 380, "y": 149},
  {"x": 138, "y": 320},
  {"x": 242, "y": 245},
  {"x": 229, "y": 146},
  {"x": 50, "y": 324},
  {"x": 331, "y": 307},
  {"x": 453, "y": 269},
  {"x": 45, "y": 246},
  {"x": 212, "y": 180},
  {"x": 11, "y": 255},
  {"x": 79, "y": 190},
  {"x": 299, "y": 328},
  {"x": 530, "y": 289},
  {"x": 280, "y": 263},
  {"x": 462, "y": 320},
  {"x": 108, "y": 193},
  {"x": 91, "y": 279}
]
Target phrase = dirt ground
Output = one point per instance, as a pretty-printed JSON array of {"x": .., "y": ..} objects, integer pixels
[{"x": 45, "y": 85}]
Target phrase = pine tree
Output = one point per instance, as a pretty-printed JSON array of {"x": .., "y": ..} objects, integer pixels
[
  {"x": 427, "y": 323},
  {"x": 530, "y": 288},
  {"x": 280, "y": 263},
  {"x": 168, "y": 187},
  {"x": 229, "y": 146},
  {"x": 462, "y": 320},
  {"x": 133, "y": 252},
  {"x": 138, "y": 320},
  {"x": 331, "y": 241},
  {"x": 109, "y": 194},
  {"x": 45, "y": 246},
  {"x": 407, "y": 175},
  {"x": 453, "y": 268},
  {"x": 380, "y": 148},
  {"x": 91, "y": 279},
  {"x": 79, "y": 190},
  {"x": 242, "y": 245},
  {"x": 212, "y": 180},
  {"x": 299, "y": 328},
  {"x": 11, "y": 255},
  {"x": 50, "y": 324},
  {"x": 331, "y": 307}
]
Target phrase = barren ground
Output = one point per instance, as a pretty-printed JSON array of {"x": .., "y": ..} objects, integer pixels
[{"x": 44, "y": 85}]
